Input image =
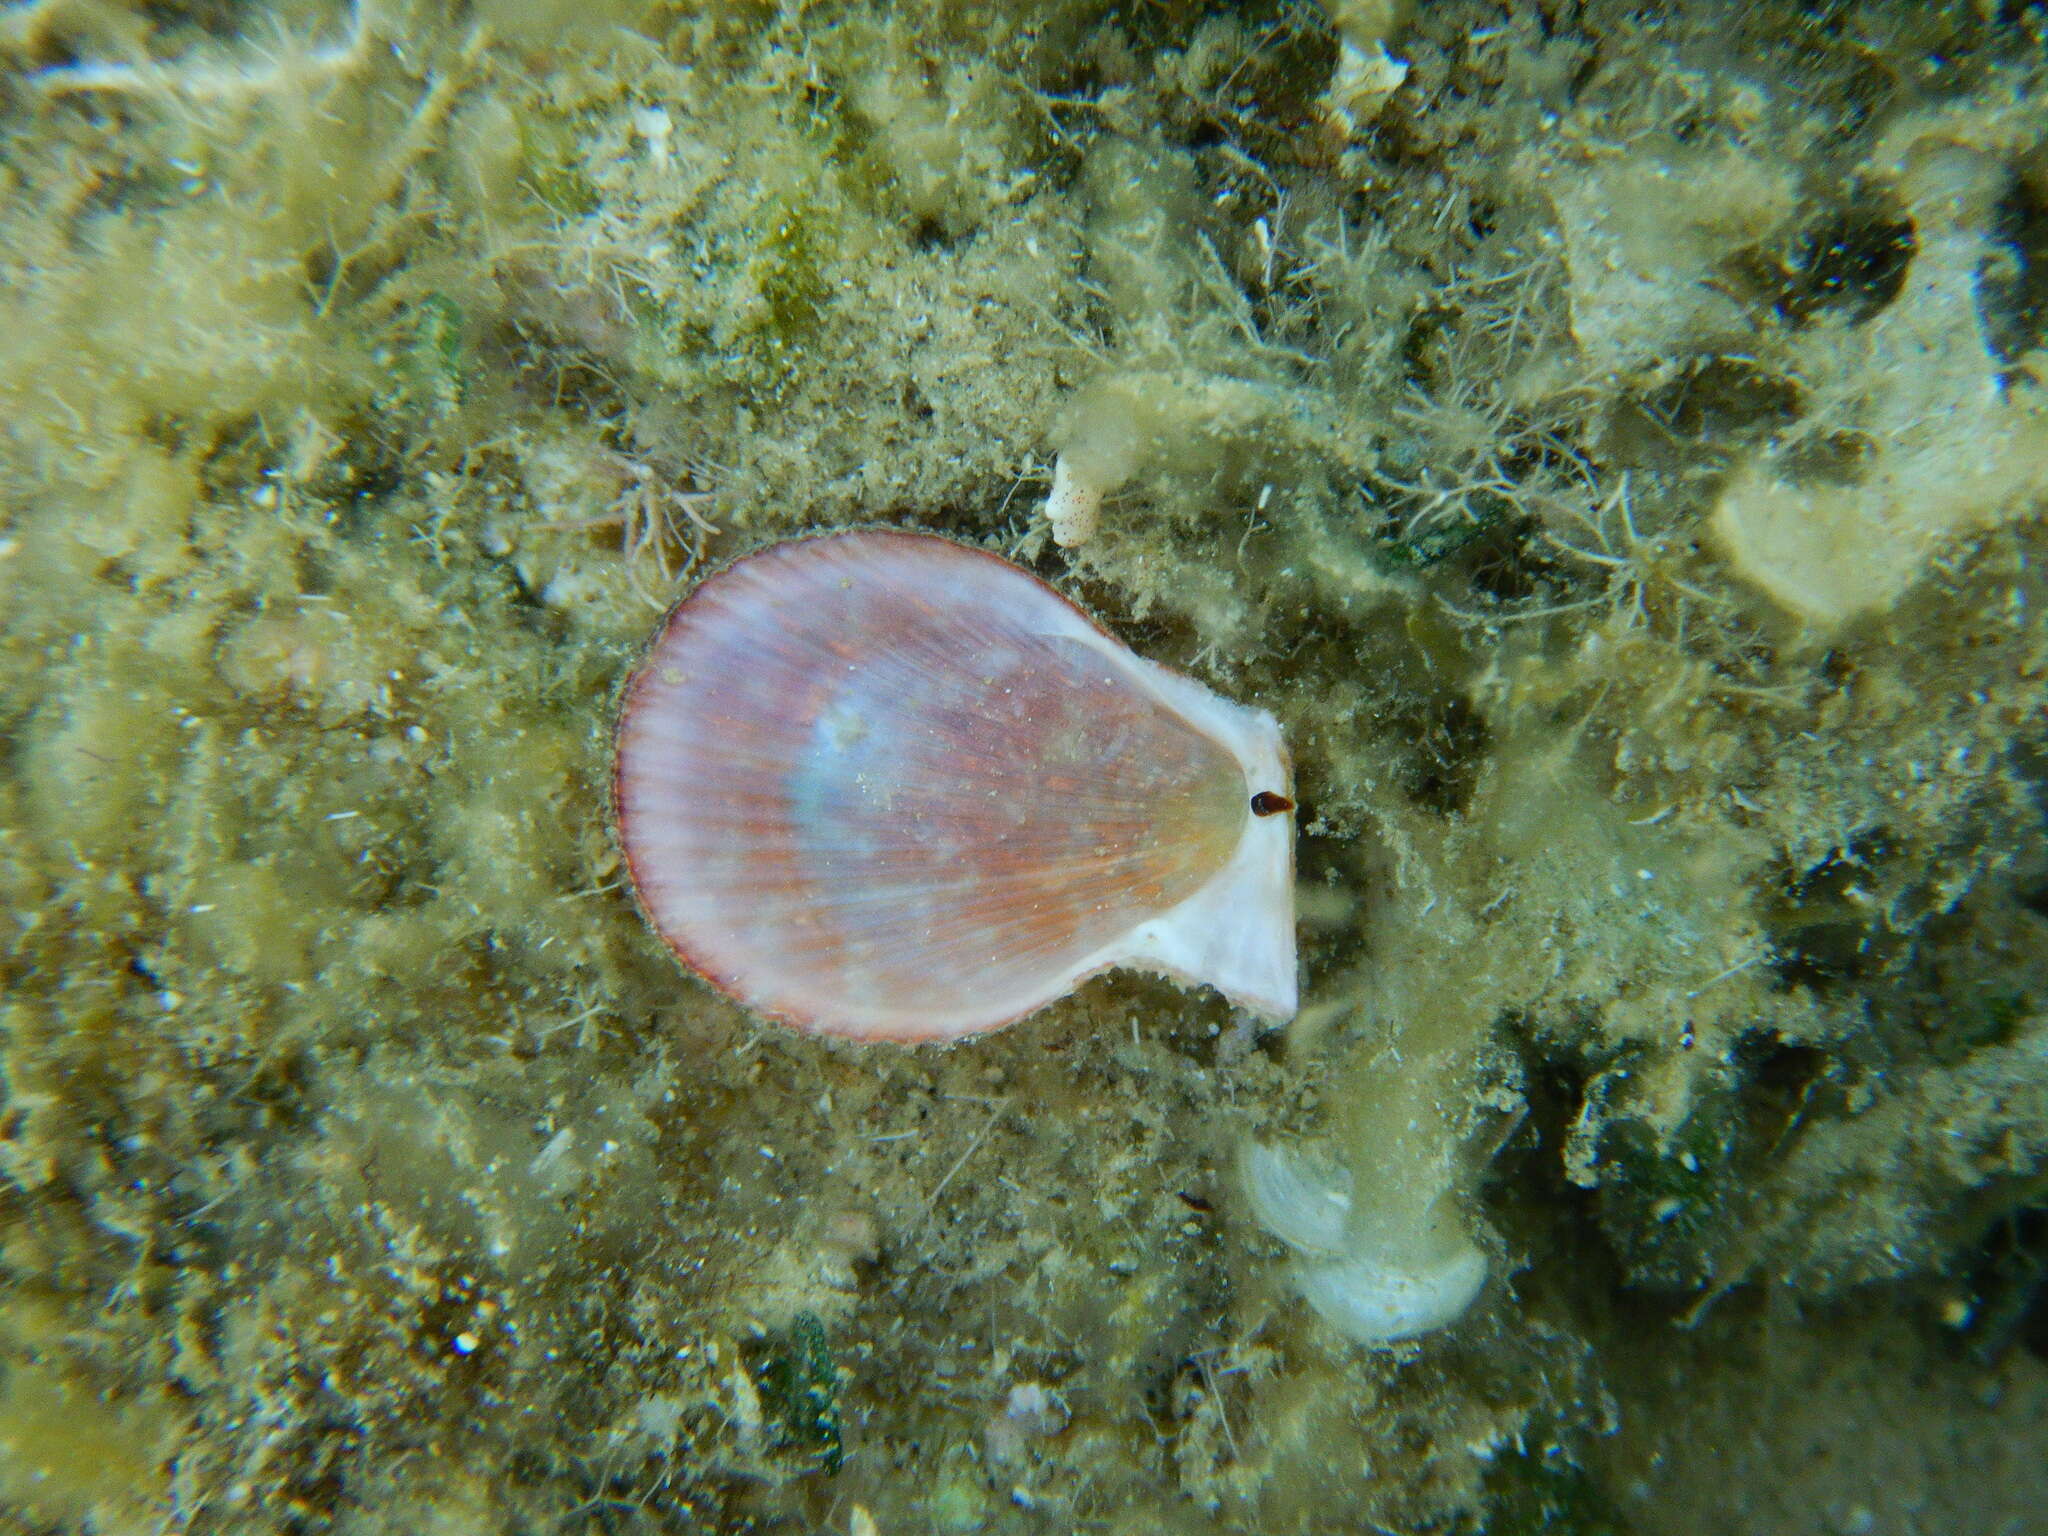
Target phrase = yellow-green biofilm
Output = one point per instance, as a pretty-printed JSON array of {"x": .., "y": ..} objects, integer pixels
[{"x": 1605, "y": 438}]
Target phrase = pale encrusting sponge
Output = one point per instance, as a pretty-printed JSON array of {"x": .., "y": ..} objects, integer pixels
[{"x": 883, "y": 785}]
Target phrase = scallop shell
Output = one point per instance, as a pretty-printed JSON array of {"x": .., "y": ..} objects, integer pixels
[{"x": 882, "y": 785}]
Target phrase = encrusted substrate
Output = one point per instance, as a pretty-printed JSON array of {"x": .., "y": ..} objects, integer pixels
[{"x": 1614, "y": 446}]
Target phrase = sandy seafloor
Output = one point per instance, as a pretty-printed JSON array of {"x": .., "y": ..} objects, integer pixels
[{"x": 1611, "y": 438}]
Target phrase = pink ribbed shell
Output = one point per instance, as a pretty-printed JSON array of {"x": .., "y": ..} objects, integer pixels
[{"x": 883, "y": 785}]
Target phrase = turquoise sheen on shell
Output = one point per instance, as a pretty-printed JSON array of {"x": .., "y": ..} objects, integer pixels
[{"x": 883, "y": 785}]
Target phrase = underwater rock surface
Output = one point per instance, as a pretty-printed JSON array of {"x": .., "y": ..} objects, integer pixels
[{"x": 1609, "y": 438}]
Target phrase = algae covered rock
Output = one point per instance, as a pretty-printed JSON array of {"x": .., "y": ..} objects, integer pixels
[{"x": 1609, "y": 437}]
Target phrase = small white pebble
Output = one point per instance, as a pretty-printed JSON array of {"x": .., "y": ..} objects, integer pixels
[
  {"x": 1074, "y": 507},
  {"x": 654, "y": 126}
]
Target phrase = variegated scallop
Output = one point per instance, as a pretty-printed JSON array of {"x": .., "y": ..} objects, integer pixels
[{"x": 882, "y": 785}]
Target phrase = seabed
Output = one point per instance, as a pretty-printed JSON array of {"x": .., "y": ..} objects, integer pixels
[{"x": 1613, "y": 440}]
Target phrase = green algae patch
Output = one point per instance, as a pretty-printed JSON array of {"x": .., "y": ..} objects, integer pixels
[
  {"x": 71, "y": 1457},
  {"x": 799, "y": 1385}
]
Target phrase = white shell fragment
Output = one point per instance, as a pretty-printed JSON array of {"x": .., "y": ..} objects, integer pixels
[
  {"x": 1371, "y": 1270},
  {"x": 1370, "y": 1301},
  {"x": 1307, "y": 1210},
  {"x": 1073, "y": 507},
  {"x": 882, "y": 785}
]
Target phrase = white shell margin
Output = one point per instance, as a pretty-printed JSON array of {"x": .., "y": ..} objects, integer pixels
[{"x": 1237, "y": 932}]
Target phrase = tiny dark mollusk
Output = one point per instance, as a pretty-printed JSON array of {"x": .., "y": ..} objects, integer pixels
[{"x": 883, "y": 785}]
